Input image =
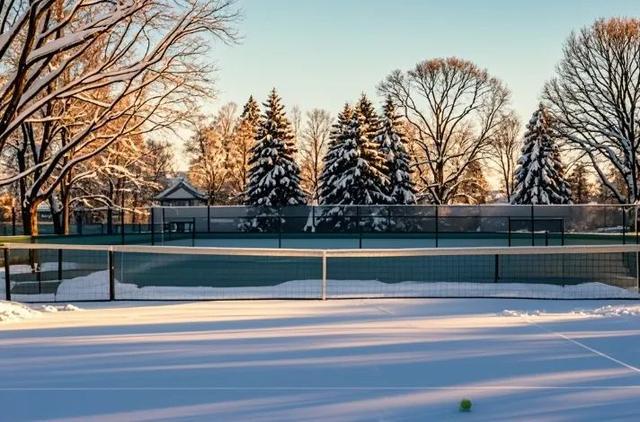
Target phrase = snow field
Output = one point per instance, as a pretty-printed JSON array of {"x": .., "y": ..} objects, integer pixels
[{"x": 392, "y": 359}]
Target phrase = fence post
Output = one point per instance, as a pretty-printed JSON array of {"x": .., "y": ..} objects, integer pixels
[
  {"x": 533, "y": 227},
  {"x": 279, "y": 228},
  {"x": 7, "y": 275},
  {"x": 324, "y": 275},
  {"x": 109, "y": 220},
  {"x": 437, "y": 226},
  {"x": 60, "y": 265},
  {"x": 635, "y": 224},
  {"x": 153, "y": 228},
  {"x": 13, "y": 220},
  {"x": 496, "y": 273},
  {"x": 193, "y": 233},
  {"x": 509, "y": 231},
  {"x": 122, "y": 225},
  {"x": 208, "y": 218},
  {"x": 112, "y": 283},
  {"x": 624, "y": 225}
]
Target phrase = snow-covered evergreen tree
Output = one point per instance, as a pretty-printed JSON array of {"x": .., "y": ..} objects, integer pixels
[
  {"x": 394, "y": 151},
  {"x": 540, "y": 173},
  {"x": 356, "y": 163},
  {"x": 274, "y": 177},
  {"x": 334, "y": 166}
]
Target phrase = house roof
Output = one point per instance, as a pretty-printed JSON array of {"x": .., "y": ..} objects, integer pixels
[{"x": 180, "y": 190}]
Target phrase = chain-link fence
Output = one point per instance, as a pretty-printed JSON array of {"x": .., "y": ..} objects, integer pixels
[{"x": 344, "y": 226}]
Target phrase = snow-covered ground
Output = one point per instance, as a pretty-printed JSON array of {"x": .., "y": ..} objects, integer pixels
[{"x": 391, "y": 359}]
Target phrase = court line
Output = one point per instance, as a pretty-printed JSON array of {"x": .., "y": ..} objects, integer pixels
[
  {"x": 329, "y": 388},
  {"x": 582, "y": 345}
]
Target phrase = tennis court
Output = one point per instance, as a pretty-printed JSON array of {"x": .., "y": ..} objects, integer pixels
[{"x": 351, "y": 360}]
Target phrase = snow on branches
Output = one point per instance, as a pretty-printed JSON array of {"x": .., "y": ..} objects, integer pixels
[{"x": 540, "y": 173}]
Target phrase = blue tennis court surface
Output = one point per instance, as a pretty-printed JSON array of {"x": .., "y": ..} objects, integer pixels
[{"x": 353, "y": 360}]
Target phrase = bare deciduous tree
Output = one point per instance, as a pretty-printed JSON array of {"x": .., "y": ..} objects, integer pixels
[
  {"x": 313, "y": 146},
  {"x": 455, "y": 109},
  {"x": 141, "y": 73},
  {"x": 504, "y": 151},
  {"x": 595, "y": 101}
]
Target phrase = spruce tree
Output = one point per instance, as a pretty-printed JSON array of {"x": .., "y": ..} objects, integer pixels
[
  {"x": 540, "y": 173},
  {"x": 334, "y": 166},
  {"x": 394, "y": 151},
  {"x": 356, "y": 162},
  {"x": 274, "y": 177}
]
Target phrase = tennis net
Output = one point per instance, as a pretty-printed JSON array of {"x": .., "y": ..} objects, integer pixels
[{"x": 55, "y": 272}]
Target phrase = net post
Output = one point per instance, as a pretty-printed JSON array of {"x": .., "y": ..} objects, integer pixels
[
  {"x": 324, "y": 275},
  {"x": 60, "y": 265},
  {"x": 153, "y": 230},
  {"x": 7, "y": 275},
  {"x": 112, "y": 283}
]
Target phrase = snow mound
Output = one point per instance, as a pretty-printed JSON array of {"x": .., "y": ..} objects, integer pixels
[
  {"x": 12, "y": 311},
  {"x": 512, "y": 313},
  {"x": 604, "y": 311},
  {"x": 612, "y": 311},
  {"x": 59, "y": 308}
]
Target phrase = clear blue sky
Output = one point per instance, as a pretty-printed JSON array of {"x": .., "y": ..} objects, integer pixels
[{"x": 321, "y": 53}]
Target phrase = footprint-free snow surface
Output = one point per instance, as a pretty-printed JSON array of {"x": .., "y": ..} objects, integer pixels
[{"x": 385, "y": 359}]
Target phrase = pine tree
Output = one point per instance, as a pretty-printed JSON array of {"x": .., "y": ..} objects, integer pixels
[
  {"x": 363, "y": 180},
  {"x": 334, "y": 166},
  {"x": 394, "y": 151},
  {"x": 582, "y": 190},
  {"x": 540, "y": 173},
  {"x": 274, "y": 177}
]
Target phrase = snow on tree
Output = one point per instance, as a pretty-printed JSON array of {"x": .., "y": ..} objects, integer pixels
[
  {"x": 356, "y": 164},
  {"x": 540, "y": 173},
  {"x": 87, "y": 76},
  {"x": 394, "y": 151},
  {"x": 274, "y": 176},
  {"x": 595, "y": 99},
  {"x": 240, "y": 148},
  {"x": 333, "y": 165}
]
